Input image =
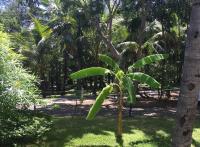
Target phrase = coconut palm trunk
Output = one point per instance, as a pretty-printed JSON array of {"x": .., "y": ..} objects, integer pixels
[{"x": 190, "y": 84}]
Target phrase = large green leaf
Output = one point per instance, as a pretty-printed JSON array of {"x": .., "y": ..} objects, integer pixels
[
  {"x": 109, "y": 61},
  {"x": 43, "y": 30},
  {"x": 128, "y": 85},
  {"x": 88, "y": 72},
  {"x": 149, "y": 59},
  {"x": 99, "y": 100},
  {"x": 144, "y": 78}
]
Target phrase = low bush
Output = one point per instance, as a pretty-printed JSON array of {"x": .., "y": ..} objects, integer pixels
[
  {"x": 25, "y": 126},
  {"x": 18, "y": 91}
]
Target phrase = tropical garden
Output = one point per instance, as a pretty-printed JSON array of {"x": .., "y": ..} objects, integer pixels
[{"x": 99, "y": 73}]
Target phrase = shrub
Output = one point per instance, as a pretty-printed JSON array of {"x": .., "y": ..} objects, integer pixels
[
  {"x": 17, "y": 90},
  {"x": 25, "y": 126},
  {"x": 17, "y": 86}
]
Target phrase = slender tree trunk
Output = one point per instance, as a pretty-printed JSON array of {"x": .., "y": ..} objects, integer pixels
[
  {"x": 65, "y": 54},
  {"x": 143, "y": 23},
  {"x": 190, "y": 84},
  {"x": 110, "y": 27},
  {"x": 119, "y": 118}
]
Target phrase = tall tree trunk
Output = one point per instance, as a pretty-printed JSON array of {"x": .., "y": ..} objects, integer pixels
[
  {"x": 119, "y": 117},
  {"x": 110, "y": 27},
  {"x": 143, "y": 23},
  {"x": 190, "y": 84},
  {"x": 65, "y": 54}
]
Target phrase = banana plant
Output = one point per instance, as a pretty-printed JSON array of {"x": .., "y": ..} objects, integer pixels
[{"x": 123, "y": 83}]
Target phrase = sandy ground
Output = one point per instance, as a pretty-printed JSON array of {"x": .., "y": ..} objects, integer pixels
[{"x": 70, "y": 106}]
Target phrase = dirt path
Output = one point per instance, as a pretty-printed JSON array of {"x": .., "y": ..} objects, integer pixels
[{"x": 65, "y": 106}]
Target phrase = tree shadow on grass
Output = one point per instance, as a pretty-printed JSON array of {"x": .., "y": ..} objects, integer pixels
[
  {"x": 66, "y": 129},
  {"x": 153, "y": 126},
  {"x": 157, "y": 129},
  {"x": 119, "y": 140},
  {"x": 157, "y": 140}
]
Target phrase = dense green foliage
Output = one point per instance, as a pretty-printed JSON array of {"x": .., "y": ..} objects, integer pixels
[
  {"x": 18, "y": 91},
  {"x": 17, "y": 85},
  {"x": 58, "y": 37},
  {"x": 51, "y": 39},
  {"x": 24, "y": 125}
]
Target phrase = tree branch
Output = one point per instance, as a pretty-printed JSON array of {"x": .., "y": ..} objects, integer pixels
[{"x": 108, "y": 43}]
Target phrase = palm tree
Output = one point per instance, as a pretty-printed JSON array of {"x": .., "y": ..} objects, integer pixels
[
  {"x": 187, "y": 103},
  {"x": 123, "y": 83}
]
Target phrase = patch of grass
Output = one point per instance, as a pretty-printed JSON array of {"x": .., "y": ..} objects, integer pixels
[
  {"x": 56, "y": 107},
  {"x": 138, "y": 132}
]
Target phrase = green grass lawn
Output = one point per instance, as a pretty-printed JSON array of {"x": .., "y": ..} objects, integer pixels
[{"x": 138, "y": 132}]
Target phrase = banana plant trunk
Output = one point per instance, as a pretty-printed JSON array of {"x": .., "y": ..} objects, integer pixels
[
  {"x": 119, "y": 118},
  {"x": 190, "y": 84}
]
